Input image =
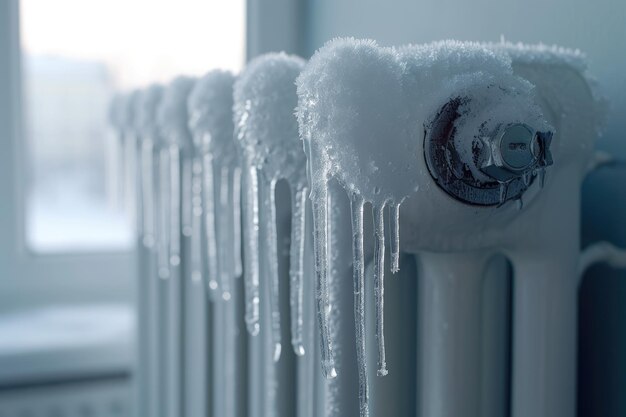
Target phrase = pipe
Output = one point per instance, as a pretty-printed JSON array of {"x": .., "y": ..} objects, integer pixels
[
  {"x": 164, "y": 272},
  {"x": 601, "y": 252},
  {"x": 174, "y": 292},
  {"x": 496, "y": 338},
  {"x": 545, "y": 251},
  {"x": 197, "y": 351},
  {"x": 450, "y": 323},
  {"x": 544, "y": 335},
  {"x": 148, "y": 304},
  {"x": 143, "y": 356},
  {"x": 172, "y": 118},
  {"x": 230, "y": 341},
  {"x": 278, "y": 377},
  {"x": 308, "y": 372}
]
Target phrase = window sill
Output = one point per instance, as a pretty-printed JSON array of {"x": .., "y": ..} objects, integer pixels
[{"x": 58, "y": 343}]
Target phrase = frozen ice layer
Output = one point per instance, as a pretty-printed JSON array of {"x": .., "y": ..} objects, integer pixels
[
  {"x": 172, "y": 116},
  {"x": 350, "y": 114},
  {"x": 123, "y": 118},
  {"x": 265, "y": 101},
  {"x": 147, "y": 131},
  {"x": 363, "y": 113},
  {"x": 542, "y": 54},
  {"x": 353, "y": 122},
  {"x": 211, "y": 115},
  {"x": 147, "y": 104},
  {"x": 210, "y": 107},
  {"x": 216, "y": 197},
  {"x": 482, "y": 79},
  {"x": 367, "y": 107},
  {"x": 121, "y": 115},
  {"x": 172, "y": 119},
  {"x": 267, "y": 134},
  {"x": 556, "y": 56},
  {"x": 155, "y": 202}
]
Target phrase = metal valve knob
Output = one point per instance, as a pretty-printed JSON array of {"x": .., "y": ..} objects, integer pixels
[
  {"x": 518, "y": 151},
  {"x": 502, "y": 165}
]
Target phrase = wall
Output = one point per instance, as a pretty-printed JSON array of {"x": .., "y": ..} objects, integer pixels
[{"x": 598, "y": 28}]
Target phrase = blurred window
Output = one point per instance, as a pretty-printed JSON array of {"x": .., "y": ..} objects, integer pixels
[{"x": 76, "y": 53}]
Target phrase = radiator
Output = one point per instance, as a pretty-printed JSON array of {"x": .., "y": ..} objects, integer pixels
[{"x": 377, "y": 231}]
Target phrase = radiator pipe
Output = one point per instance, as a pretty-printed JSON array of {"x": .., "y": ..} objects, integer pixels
[{"x": 450, "y": 322}]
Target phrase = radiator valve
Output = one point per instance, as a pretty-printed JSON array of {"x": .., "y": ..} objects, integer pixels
[
  {"x": 517, "y": 151},
  {"x": 486, "y": 169}
]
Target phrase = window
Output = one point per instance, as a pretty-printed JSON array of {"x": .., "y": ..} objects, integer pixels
[
  {"x": 75, "y": 55},
  {"x": 57, "y": 165}
]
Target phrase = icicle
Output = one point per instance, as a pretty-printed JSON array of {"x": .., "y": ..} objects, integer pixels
[
  {"x": 520, "y": 203},
  {"x": 209, "y": 222},
  {"x": 526, "y": 178},
  {"x": 187, "y": 209},
  {"x": 296, "y": 268},
  {"x": 271, "y": 244},
  {"x": 147, "y": 188},
  {"x": 196, "y": 221},
  {"x": 394, "y": 225},
  {"x": 222, "y": 218},
  {"x": 236, "y": 210},
  {"x": 164, "y": 214},
  {"x": 379, "y": 286},
  {"x": 356, "y": 205},
  {"x": 322, "y": 291},
  {"x": 251, "y": 247},
  {"x": 175, "y": 212}
]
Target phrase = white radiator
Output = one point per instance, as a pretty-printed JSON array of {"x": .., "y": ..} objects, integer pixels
[{"x": 465, "y": 160}]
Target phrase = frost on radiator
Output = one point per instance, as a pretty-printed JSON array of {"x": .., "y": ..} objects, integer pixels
[
  {"x": 145, "y": 116},
  {"x": 483, "y": 78},
  {"x": 147, "y": 130},
  {"x": 218, "y": 184},
  {"x": 553, "y": 55},
  {"x": 172, "y": 121},
  {"x": 267, "y": 134},
  {"x": 172, "y": 112},
  {"x": 210, "y": 114},
  {"x": 362, "y": 113}
]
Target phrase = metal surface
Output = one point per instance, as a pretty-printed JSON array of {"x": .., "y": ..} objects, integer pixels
[
  {"x": 511, "y": 158},
  {"x": 450, "y": 313},
  {"x": 517, "y": 151}
]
